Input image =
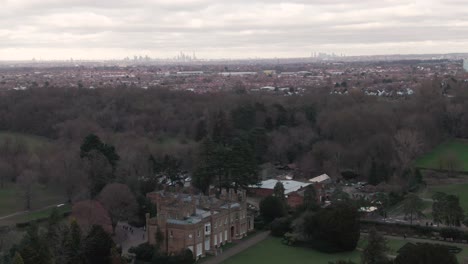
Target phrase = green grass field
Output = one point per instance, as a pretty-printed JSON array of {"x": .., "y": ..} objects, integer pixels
[
  {"x": 393, "y": 244},
  {"x": 36, "y": 215},
  {"x": 11, "y": 199},
  {"x": 397, "y": 210},
  {"x": 31, "y": 141},
  {"x": 456, "y": 146},
  {"x": 272, "y": 251},
  {"x": 460, "y": 190}
]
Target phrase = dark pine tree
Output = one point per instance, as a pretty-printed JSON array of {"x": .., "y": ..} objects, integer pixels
[
  {"x": 221, "y": 130},
  {"x": 97, "y": 246}
]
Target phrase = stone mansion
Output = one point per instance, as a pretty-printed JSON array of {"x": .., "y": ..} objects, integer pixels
[{"x": 197, "y": 222}]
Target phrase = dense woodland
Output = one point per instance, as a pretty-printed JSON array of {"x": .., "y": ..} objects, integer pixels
[
  {"x": 224, "y": 137},
  {"x": 116, "y": 145}
]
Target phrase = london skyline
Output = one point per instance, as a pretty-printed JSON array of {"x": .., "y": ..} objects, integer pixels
[{"x": 83, "y": 29}]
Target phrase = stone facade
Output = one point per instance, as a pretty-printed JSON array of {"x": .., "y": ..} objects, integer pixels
[{"x": 199, "y": 223}]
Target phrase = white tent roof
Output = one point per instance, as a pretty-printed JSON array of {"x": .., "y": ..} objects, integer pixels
[
  {"x": 289, "y": 185},
  {"x": 320, "y": 178},
  {"x": 368, "y": 209}
]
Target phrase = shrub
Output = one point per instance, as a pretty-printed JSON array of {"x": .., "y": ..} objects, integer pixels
[
  {"x": 143, "y": 252},
  {"x": 23, "y": 224},
  {"x": 427, "y": 254},
  {"x": 451, "y": 233},
  {"x": 271, "y": 208},
  {"x": 280, "y": 226},
  {"x": 331, "y": 230},
  {"x": 259, "y": 224}
]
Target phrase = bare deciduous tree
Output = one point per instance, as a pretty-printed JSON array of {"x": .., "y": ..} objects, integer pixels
[
  {"x": 76, "y": 129},
  {"x": 450, "y": 162},
  {"x": 6, "y": 172},
  {"x": 69, "y": 172},
  {"x": 453, "y": 119},
  {"x": 26, "y": 181},
  {"x": 88, "y": 213},
  {"x": 119, "y": 202},
  {"x": 14, "y": 152},
  {"x": 408, "y": 145}
]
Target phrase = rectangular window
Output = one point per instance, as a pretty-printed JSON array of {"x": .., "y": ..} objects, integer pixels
[
  {"x": 207, "y": 229},
  {"x": 207, "y": 244},
  {"x": 198, "y": 233},
  {"x": 171, "y": 234},
  {"x": 199, "y": 249}
]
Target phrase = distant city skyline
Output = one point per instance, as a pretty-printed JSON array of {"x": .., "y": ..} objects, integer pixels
[{"x": 238, "y": 29}]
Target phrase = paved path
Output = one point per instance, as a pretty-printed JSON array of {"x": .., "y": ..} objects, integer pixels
[
  {"x": 29, "y": 211},
  {"x": 243, "y": 245},
  {"x": 128, "y": 236}
]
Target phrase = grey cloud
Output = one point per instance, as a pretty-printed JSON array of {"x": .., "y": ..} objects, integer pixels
[{"x": 161, "y": 27}]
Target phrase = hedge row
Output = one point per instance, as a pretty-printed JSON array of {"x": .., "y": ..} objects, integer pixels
[
  {"x": 39, "y": 220},
  {"x": 417, "y": 230}
]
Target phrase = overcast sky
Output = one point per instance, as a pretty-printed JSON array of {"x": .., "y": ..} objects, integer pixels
[{"x": 105, "y": 29}]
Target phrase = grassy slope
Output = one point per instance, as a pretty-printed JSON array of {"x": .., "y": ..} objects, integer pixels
[
  {"x": 41, "y": 214},
  {"x": 431, "y": 159},
  {"x": 11, "y": 199},
  {"x": 272, "y": 251},
  {"x": 395, "y": 244},
  {"x": 461, "y": 190},
  {"x": 31, "y": 141}
]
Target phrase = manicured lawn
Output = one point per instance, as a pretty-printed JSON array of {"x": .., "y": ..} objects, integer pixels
[
  {"x": 396, "y": 244},
  {"x": 11, "y": 196},
  {"x": 12, "y": 200},
  {"x": 272, "y": 251},
  {"x": 456, "y": 146},
  {"x": 39, "y": 214},
  {"x": 393, "y": 244}
]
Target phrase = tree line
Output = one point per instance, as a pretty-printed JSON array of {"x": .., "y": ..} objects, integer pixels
[
  {"x": 59, "y": 242},
  {"x": 318, "y": 132}
]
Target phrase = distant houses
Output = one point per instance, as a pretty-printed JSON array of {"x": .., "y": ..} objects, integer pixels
[{"x": 190, "y": 73}]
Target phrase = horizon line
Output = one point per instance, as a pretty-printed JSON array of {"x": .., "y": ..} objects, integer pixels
[{"x": 329, "y": 56}]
